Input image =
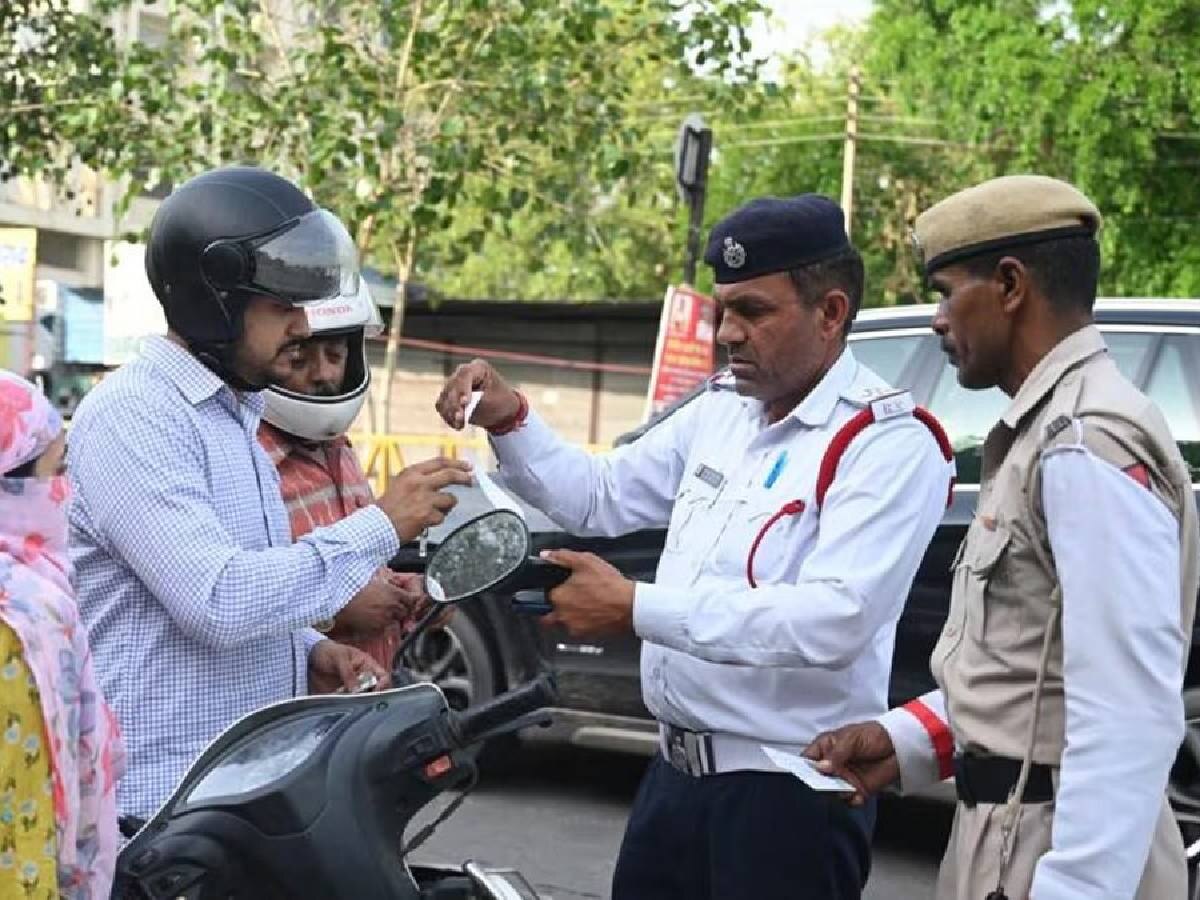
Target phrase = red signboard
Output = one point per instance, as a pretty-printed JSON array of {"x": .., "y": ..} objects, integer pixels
[{"x": 683, "y": 356}]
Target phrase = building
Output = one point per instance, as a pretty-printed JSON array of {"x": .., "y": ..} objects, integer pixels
[{"x": 74, "y": 228}]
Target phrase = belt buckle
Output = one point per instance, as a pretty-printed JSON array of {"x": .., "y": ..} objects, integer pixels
[
  {"x": 676, "y": 752},
  {"x": 690, "y": 751}
]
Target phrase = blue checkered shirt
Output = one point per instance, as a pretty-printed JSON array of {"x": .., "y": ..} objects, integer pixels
[{"x": 196, "y": 600}]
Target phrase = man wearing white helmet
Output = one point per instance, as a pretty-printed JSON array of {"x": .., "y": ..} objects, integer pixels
[{"x": 319, "y": 387}]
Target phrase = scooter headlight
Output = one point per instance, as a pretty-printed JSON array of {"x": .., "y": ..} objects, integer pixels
[{"x": 264, "y": 757}]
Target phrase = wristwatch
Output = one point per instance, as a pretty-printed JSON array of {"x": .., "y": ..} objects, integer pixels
[{"x": 323, "y": 625}]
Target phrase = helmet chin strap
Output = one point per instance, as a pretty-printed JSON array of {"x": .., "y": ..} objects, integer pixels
[{"x": 216, "y": 357}]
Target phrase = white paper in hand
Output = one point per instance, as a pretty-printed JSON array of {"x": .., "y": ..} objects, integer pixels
[
  {"x": 476, "y": 396},
  {"x": 806, "y": 770},
  {"x": 494, "y": 493}
]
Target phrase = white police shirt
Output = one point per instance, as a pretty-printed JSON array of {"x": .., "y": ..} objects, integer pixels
[{"x": 811, "y": 647}]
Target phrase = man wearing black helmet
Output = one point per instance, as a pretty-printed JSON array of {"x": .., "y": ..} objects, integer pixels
[{"x": 197, "y": 602}]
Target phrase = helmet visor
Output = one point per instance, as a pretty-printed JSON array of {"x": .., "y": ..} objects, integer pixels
[{"x": 311, "y": 261}]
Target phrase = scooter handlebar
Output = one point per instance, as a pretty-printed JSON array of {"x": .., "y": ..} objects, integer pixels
[{"x": 472, "y": 724}]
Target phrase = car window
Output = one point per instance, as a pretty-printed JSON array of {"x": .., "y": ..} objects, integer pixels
[
  {"x": 967, "y": 416},
  {"x": 1175, "y": 394},
  {"x": 889, "y": 357},
  {"x": 1128, "y": 350}
]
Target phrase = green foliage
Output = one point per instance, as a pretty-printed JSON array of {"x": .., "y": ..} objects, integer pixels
[
  {"x": 522, "y": 148},
  {"x": 956, "y": 91},
  {"x": 58, "y": 73},
  {"x": 1101, "y": 94},
  {"x": 439, "y": 129}
]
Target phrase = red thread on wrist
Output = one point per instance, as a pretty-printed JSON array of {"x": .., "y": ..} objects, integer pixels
[{"x": 518, "y": 418}]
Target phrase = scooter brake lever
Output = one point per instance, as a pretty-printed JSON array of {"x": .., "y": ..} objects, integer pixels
[{"x": 539, "y": 718}]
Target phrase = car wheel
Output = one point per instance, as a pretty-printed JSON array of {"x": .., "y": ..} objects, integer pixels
[
  {"x": 455, "y": 657},
  {"x": 1184, "y": 789}
]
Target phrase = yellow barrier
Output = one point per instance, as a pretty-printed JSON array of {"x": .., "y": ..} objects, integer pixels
[{"x": 384, "y": 455}]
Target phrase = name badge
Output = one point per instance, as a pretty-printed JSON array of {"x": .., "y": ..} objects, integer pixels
[
  {"x": 893, "y": 406},
  {"x": 710, "y": 476}
]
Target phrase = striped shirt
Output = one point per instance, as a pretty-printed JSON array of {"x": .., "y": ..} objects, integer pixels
[
  {"x": 195, "y": 598},
  {"x": 322, "y": 483}
]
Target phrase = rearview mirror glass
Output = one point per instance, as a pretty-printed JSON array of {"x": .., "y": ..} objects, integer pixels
[{"x": 476, "y": 556}]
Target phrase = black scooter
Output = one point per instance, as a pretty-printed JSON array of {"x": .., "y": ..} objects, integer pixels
[{"x": 311, "y": 797}]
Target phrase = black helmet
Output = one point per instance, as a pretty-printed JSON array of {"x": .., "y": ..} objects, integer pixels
[{"x": 230, "y": 234}]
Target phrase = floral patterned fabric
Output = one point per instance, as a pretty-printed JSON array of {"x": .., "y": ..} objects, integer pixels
[
  {"x": 28, "y": 841},
  {"x": 37, "y": 603}
]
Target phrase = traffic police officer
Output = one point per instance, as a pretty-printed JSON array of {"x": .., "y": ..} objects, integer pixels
[
  {"x": 773, "y": 613},
  {"x": 1061, "y": 662}
]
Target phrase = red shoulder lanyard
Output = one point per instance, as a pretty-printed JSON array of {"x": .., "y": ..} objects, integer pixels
[
  {"x": 829, "y": 464},
  {"x": 791, "y": 508}
]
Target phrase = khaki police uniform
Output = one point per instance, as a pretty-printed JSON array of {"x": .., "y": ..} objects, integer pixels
[{"x": 1005, "y": 630}]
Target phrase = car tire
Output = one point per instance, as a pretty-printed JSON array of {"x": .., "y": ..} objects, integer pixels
[
  {"x": 1183, "y": 788},
  {"x": 455, "y": 656}
]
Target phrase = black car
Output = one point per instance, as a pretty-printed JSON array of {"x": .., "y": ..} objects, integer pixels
[{"x": 487, "y": 648}]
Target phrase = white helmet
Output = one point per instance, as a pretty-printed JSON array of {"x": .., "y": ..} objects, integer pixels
[{"x": 318, "y": 418}]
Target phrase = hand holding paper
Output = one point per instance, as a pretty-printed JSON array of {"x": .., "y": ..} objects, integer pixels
[
  {"x": 806, "y": 770},
  {"x": 497, "y": 401},
  {"x": 472, "y": 402}
]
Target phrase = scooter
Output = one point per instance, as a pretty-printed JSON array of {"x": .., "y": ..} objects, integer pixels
[{"x": 312, "y": 797}]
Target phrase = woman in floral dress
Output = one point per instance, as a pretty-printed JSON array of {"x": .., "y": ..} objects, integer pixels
[{"x": 60, "y": 750}]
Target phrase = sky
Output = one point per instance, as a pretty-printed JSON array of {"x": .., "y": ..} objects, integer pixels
[{"x": 795, "y": 21}]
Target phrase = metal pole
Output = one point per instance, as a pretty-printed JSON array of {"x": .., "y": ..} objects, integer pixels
[
  {"x": 849, "y": 149},
  {"x": 597, "y": 388},
  {"x": 696, "y": 197}
]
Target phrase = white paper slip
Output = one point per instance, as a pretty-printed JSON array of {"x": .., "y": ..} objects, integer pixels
[
  {"x": 476, "y": 396},
  {"x": 806, "y": 770},
  {"x": 496, "y": 495}
]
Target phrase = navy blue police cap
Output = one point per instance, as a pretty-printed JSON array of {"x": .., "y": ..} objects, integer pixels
[{"x": 775, "y": 234}]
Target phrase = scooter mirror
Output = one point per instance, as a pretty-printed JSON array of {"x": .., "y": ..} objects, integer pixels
[{"x": 476, "y": 556}]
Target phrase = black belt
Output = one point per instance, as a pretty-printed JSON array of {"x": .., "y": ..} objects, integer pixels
[{"x": 990, "y": 779}]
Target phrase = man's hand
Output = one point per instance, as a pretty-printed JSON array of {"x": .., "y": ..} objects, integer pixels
[
  {"x": 498, "y": 404},
  {"x": 596, "y": 600},
  {"x": 412, "y": 585},
  {"x": 414, "y": 500},
  {"x": 332, "y": 666},
  {"x": 377, "y": 606},
  {"x": 861, "y": 753}
]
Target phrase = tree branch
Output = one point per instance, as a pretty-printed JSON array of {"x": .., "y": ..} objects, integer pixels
[
  {"x": 276, "y": 37},
  {"x": 406, "y": 51}
]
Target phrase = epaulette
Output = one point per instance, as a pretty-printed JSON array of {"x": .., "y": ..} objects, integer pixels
[
  {"x": 1057, "y": 427},
  {"x": 885, "y": 402}
]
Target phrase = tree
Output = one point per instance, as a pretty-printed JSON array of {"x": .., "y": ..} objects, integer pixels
[
  {"x": 410, "y": 119},
  {"x": 1101, "y": 94},
  {"x": 57, "y": 67}
]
